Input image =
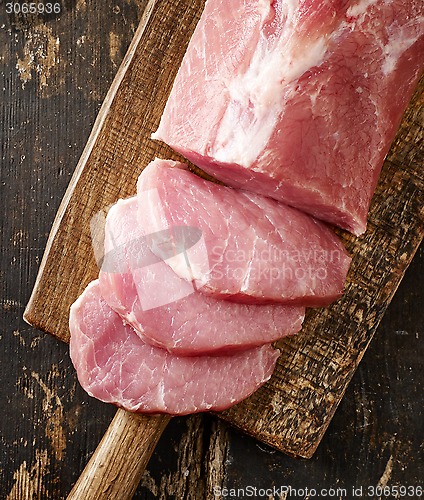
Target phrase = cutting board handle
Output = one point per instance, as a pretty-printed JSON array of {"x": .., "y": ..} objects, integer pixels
[{"x": 116, "y": 467}]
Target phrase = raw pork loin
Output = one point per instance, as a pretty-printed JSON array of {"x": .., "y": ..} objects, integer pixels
[
  {"x": 166, "y": 310},
  {"x": 298, "y": 100},
  {"x": 253, "y": 249},
  {"x": 114, "y": 365}
]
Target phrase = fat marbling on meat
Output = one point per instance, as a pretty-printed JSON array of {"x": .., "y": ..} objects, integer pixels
[
  {"x": 166, "y": 310},
  {"x": 115, "y": 366},
  {"x": 252, "y": 249},
  {"x": 297, "y": 99}
]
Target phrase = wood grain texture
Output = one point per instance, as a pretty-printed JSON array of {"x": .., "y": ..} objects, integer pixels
[
  {"x": 293, "y": 410},
  {"x": 117, "y": 465}
]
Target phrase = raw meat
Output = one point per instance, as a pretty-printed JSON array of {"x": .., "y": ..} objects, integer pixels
[
  {"x": 114, "y": 365},
  {"x": 253, "y": 249},
  {"x": 298, "y": 100},
  {"x": 166, "y": 310}
]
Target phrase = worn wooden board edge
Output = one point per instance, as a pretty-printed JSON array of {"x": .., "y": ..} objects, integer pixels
[
  {"x": 28, "y": 315},
  {"x": 48, "y": 319},
  {"x": 292, "y": 422}
]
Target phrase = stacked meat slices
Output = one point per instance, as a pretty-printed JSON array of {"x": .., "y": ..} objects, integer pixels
[
  {"x": 116, "y": 366},
  {"x": 196, "y": 283}
]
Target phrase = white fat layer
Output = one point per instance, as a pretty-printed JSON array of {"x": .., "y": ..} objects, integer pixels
[
  {"x": 263, "y": 8},
  {"x": 276, "y": 64},
  {"x": 400, "y": 39},
  {"x": 257, "y": 96},
  {"x": 360, "y": 8},
  {"x": 130, "y": 318}
]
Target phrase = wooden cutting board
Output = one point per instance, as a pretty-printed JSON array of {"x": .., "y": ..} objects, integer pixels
[{"x": 293, "y": 410}]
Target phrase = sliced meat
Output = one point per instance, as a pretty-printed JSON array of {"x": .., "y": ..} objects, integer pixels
[
  {"x": 252, "y": 249},
  {"x": 297, "y": 100},
  {"x": 114, "y": 365},
  {"x": 166, "y": 310}
]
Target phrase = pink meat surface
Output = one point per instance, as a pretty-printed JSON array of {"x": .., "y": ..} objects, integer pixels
[
  {"x": 298, "y": 100},
  {"x": 114, "y": 365},
  {"x": 252, "y": 249},
  {"x": 166, "y": 310}
]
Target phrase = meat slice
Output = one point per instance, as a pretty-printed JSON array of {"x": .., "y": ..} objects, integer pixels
[
  {"x": 297, "y": 100},
  {"x": 114, "y": 365},
  {"x": 166, "y": 310},
  {"x": 252, "y": 249}
]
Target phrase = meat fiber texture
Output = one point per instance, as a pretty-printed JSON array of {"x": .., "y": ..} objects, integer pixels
[
  {"x": 114, "y": 365},
  {"x": 251, "y": 248},
  {"x": 297, "y": 99},
  {"x": 166, "y": 310}
]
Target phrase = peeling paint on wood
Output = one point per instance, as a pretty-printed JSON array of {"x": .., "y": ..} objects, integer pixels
[
  {"x": 216, "y": 459},
  {"x": 40, "y": 55},
  {"x": 387, "y": 474},
  {"x": 188, "y": 480},
  {"x": 201, "y": 458},
  {"x": 53, "y": 411},
  {"x": 114, "y": 48},
  {"x": 29, "y": 482}
]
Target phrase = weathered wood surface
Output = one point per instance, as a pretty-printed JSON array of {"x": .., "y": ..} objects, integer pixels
[
  {"x": 118, "y": 464},
  {"x": 51, "y": 93},
  {"x": 293, "y": 410}
]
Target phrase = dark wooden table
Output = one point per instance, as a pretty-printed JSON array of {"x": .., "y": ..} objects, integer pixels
[{"x": 55, "y": 72}]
